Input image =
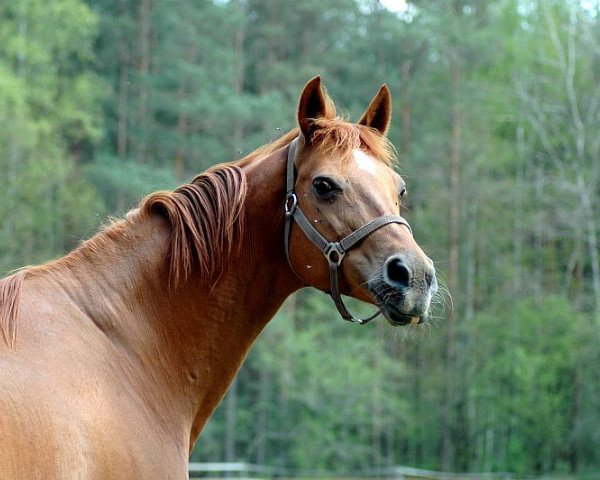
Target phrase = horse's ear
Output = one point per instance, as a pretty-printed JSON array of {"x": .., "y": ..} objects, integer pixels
[
  {"x": 379, "y": 113},
  {"x": 312, "y": 105}
]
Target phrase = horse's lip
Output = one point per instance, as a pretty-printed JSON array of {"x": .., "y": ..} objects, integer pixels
[
  {"x": 392, "y": 311},
  {"x": 397, "y": 318}
]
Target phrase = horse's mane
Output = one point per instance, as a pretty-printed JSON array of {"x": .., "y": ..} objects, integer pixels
[
  {"x": 10, "y": 289},
  {"x": 206, "y": 218}
]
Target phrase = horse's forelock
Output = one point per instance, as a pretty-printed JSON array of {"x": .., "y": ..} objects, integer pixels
[{"x": 336, "y": 136}]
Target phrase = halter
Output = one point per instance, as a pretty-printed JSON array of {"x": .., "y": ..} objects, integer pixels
[{"x": 334, "y": 252}]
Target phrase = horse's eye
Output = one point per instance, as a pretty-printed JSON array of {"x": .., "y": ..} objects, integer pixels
[
  {"x": 324, "y": 187},
  {"x": 402, "y": 192}
]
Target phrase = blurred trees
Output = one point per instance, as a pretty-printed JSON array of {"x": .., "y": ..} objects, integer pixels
[
  {"x": 496, "y": 122},
  {"x": 49, "y": 115}
]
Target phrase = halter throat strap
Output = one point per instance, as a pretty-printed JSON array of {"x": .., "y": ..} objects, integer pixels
[{"x": 334, "y": 252}]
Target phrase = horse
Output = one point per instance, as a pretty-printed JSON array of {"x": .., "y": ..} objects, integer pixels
[{"x": 113, "y": 357}]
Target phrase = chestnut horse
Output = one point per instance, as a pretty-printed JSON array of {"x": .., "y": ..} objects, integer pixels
[{"x": 113, "y": 357}]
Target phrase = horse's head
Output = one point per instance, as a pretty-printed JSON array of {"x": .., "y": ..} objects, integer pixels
[{"x": 345, "y": 189}]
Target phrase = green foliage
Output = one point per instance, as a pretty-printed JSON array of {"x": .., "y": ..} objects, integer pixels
[
  {"x": 123, "y": 182},
  {"x": 48, "y": 110},
  {"x": 530, "y": 362},
  {"x": 103, "y": 102}
]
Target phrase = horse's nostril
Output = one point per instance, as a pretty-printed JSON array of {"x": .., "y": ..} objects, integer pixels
[{"x": 397, "y": 272}]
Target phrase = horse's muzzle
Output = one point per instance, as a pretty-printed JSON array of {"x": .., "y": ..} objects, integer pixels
[{"x": 404, "y": 289}]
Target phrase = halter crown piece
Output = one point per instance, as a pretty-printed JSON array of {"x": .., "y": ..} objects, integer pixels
[{"x": 334, "y": 252}]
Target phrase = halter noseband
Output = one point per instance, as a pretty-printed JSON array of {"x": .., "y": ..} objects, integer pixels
[{"x": 334, "y": 251}]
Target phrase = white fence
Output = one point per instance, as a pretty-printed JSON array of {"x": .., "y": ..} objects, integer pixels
[{"x": 248, "y": 471}]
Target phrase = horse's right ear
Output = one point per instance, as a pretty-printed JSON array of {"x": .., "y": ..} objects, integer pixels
[
  {"x": 312, "y": 105},
  {"x": 379, "y": 112}
]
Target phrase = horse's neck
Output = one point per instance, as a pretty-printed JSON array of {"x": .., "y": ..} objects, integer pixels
[
  {"x": 251, "y": 290},
  {"x": 191, "y": 339}
]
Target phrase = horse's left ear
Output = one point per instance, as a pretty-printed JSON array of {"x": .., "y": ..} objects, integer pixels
[
  {"x": 312, "y": 105},
  {"x": 379, "y": 113}
]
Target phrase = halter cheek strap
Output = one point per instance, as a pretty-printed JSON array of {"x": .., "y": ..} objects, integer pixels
[{"x": 334, "y": 252}]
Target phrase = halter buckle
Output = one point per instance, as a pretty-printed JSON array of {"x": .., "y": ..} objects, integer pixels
[
  {"x": 334, "y": 253},
  {"x": 290, "y": 204}
]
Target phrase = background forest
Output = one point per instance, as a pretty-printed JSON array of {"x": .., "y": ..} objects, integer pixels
[{"x": 497, "y": 127}]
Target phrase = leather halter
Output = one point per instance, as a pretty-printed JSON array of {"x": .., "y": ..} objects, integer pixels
[{"x": 334, "y": 252}]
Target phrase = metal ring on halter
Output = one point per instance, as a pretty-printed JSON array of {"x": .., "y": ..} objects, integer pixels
[
  {"x": 289, "y": 208},
  {"x": 334, "y": 253}
]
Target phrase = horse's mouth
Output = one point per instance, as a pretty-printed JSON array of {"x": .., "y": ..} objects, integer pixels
[
  {"x": 400, "y": 306},
  {"x": 397, "y": 318}
]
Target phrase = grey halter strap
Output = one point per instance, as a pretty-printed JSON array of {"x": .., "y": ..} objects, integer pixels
[{"x": 334, "y": 252}]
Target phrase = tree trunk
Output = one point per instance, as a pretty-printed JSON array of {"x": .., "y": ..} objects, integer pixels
[
  {"x": 538, "y": 244},
  {"x": 262, "y": 427},
  {"x": 470, "y": 253},
  {"x": 579, "y": 133},
  {"x": 182, "y": 127},
  {"x": 182, "y": 119},
  {"x": 10, "y": 189},
  {"x": 144, "y": 71},
  {"x": 240, "y": 37},
  {"x": 230, "y": 414},
  {"x": 376, "y": 420},
  {"x": 123, "y": 95},
  {"x": 453, "y": 267},
  {"x": 591, "y": 238},
  {"x": 405, "y": 112},
  {"x": 518, "y": 205}
]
